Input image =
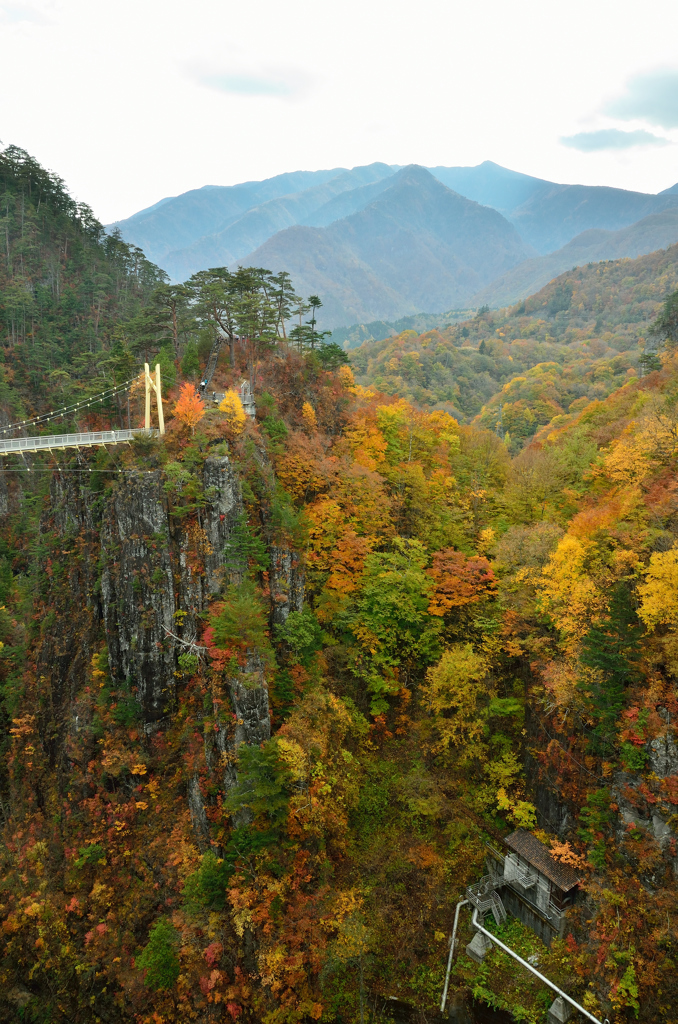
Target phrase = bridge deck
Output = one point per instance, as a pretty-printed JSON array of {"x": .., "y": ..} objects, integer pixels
[{"x": 17, "y": 445}]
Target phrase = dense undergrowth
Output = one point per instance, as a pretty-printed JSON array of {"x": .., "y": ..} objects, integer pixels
[{"x": 485, "y": 642}]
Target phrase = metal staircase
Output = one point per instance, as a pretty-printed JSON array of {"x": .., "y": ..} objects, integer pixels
[
  {"x": 484, "y": 898},
  {"x": 212, "y": 362}
]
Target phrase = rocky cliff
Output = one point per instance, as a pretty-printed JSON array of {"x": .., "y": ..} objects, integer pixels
[{"x": 122, "y": 562}]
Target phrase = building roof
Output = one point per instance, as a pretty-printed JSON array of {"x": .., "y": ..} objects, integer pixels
[{"x": 538, "y": 855}]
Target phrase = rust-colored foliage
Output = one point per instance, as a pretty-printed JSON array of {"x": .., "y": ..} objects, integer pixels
[
  {"x": 366, "y": 628},
  {"x": 460, "y": 580},
  {"x": 190, "y": 408}
]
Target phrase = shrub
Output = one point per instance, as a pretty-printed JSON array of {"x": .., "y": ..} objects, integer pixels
[
  {"x": 188, "y": 663},
  {"x": 633, "y": 758},
  {"x": 302, "y": 633},
  {"x": 241, "y": 620},
  {"x": 90, "y": 855}
]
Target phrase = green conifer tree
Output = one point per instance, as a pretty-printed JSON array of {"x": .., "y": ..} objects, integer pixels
[{"x": 611, "y": 647}]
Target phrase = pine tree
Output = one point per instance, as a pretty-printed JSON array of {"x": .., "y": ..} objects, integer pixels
[{"x": 611, "y": 647}]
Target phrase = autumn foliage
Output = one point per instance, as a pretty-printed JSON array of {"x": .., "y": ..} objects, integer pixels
[
  {"x": 460, "y": 580},
  {"x": 231, "y": 406},
  {"x": 389, "y": 642},
  {"x": 190, "y": 408}
]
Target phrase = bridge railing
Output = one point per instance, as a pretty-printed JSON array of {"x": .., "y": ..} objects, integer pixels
[{"x": 17, "y": 445}]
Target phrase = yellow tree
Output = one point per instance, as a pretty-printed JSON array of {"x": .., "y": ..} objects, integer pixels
[
  {"x": 568, "y": 594},
  {"x": 232, "y": 407},
  {"x": 308, "y": 413},
  {"x": 659, "y": 592},
  {"x": 456, "y": 692},
  {"x": 659, "y": 601}
]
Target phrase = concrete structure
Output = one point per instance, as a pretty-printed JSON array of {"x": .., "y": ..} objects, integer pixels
[
  {"x": 478, "y": 947},
  {"x": 534, "y": 887},
  {"x": 537, "y": 890},
  {"x": 559, "y": 1011},
  {"x": 247, "y": 399}
]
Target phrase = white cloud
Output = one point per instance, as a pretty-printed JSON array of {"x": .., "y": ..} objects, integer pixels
[
  {"x": 283, "y": 83},
  {"x": 612, "y": 138},
  {"x": 20, "y": 11},
  {"x": 651, "y": 97},
  {"x": 133, "y": 100}
]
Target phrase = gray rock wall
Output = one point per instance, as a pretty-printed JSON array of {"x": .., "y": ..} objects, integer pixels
[
  {"x": 124, "y": 563},
  {"x": 153, "y": 569},
  {"x": 287, "y": 580},
  {"x": 658, "y": 817}
]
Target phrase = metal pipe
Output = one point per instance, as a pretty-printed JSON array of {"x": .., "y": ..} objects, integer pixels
[
  {"x": 507, "y": 949},
  {"x": 449, "y": 959}
]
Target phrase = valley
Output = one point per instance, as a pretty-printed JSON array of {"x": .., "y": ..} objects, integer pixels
[{"x": 367, "y": 620}]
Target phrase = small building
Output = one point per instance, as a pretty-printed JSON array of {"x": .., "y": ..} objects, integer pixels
[{"x": 535, "y": 888}]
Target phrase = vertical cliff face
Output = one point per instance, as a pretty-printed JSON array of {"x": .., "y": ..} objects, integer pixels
[
  {"x": 71, "y": 615},
  {"x": 652, "y": 812},
  {"x": 159, "y": 574},
  {"x": 287, "y": 584},
  {"x": 128, "y": 564},
  {"x": 219, "y": 521},
  {"x": 251, "y": 724},
  {"x": 137, "y": 590}
]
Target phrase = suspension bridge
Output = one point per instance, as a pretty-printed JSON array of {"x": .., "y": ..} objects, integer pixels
[{"x": 87, "y": 439}]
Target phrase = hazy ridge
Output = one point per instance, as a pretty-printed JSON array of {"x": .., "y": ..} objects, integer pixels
[{"x": 379, "y": 251}]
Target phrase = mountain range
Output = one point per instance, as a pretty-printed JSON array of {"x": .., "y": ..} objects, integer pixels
[
  {"x": 383, "y": 241},
  {"x": 418, "y": 245}
]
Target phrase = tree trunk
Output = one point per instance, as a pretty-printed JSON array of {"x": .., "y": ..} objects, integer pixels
[{"x": 175, "y": 332}]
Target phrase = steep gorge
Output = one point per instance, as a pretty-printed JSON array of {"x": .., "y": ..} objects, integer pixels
[{"x": 270, "y": 683}]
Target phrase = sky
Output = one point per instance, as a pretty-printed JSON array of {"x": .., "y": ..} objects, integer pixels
[{"x": 134, "y": 100}]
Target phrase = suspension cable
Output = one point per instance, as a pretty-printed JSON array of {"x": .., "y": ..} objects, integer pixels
[{"x": 65, "y": 410}]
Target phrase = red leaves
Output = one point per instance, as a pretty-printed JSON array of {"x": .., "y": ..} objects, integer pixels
[
  {"x": 644, "y": 790},
  {"x": 213, "y": 953},
  {"x": 218, "y": 658},
  {"x": 632, "y": 733},
  {"x": 670, "y": 783},
  {"x": 459, "y": 580},
  {"x": 207, "y": 984},
  {"x": 640, "y": 725}
]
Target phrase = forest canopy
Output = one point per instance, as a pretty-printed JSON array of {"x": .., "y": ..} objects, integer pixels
[{"x": 271, "y": 683}]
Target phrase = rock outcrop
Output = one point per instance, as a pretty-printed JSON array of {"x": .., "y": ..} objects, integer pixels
[
  {"x": 640, "y": 807},
  {"x": 287, "y": 584},
  {"x": 124, "y": 558},
  {"x": 127, "y": 562},
  {"x": 158, "y": 576}
]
